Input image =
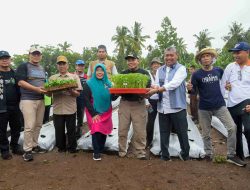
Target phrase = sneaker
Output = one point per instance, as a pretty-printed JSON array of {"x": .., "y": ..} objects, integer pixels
[
  {"x": 97, "y": 157},
  {"x": 165, "y": 158},
  {"x": 6, "y": 156},
  {"x": 28, "y": 156},
  {"x": 182, "y": 158},
  {"x": 143, "y": 157},
  {"x": 208, "y": 158},
  {"x": 122, "y": 154},
  {"x": 39, "y": 150},
  {"x": 235, "y": 160},
  {"x": 18, "y": 151}
]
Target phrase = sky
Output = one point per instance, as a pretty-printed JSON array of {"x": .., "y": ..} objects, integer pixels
[{"x": 92, "y": 22}]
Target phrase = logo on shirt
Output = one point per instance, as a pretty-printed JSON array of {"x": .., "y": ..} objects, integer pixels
[{"x": 210, "y": 79}]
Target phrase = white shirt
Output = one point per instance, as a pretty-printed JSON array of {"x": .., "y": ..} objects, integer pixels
[
  {"x": 154, "y": 96},
  {"x": 239, "y": 79},
  {"x": 179, "y": 77}
]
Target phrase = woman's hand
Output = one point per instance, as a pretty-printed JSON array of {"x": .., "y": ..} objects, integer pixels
[{"x": 96, "y": 118}]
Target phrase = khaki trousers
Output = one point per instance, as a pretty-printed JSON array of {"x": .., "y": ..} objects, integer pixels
[
  {"x": 33, "y": 112},
  {"x": 135, "y": 112}
]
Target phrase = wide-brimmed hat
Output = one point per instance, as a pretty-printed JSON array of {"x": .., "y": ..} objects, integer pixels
[
  {"x": 156, "y": 60},
  {"x": 203, "y": 51}
]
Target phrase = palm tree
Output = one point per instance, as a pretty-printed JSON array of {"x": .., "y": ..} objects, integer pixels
[
  {"x": 121, "y": 39},
  {"x": 65, "y": 46},
  {"x": 136, "y": 39},
  {"x": 203, "y": 39}
]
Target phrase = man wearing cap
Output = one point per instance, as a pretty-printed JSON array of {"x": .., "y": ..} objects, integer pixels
[
  {"x": 9, "y": 109},
  {"x": 79, "y": 66},
  {"x": 236, "y": 78},
  {"x": 207, "y": 81},
  {"x": 31, "y": 77},
  {"x": 64, "y": 108},
  {"x": 102, "y": 58},
  {"x": 152, "y": 106},
  {"x": 132, "y": 109},
  {"x": 170, "y": 85}
]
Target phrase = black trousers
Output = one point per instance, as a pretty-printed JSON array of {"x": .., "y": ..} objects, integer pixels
[
  {"x": 13, "y": 118},
  {"x": 241, "y": 117},
  {"x": 98, "y": 142},
  {"x": 151, "y": 121},
  {"x": 46, "y": 114},
  {"x": 80, "y": 112},
  {"x": 179, "y": 122},
  {"x": 59, "y": 122}
]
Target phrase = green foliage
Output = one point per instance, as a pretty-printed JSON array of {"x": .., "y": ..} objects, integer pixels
[
  {"x": 59, "y": 82},
  {"x": 203, "y": 39},
  {"x": 131, "y": 80},
  {"x": 219, "y": 159}
]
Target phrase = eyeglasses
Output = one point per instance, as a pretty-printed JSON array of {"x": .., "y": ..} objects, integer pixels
[{"x": 239, "y": 75}]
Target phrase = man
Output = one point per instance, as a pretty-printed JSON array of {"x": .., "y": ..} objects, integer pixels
[
  {"x": 64, "y": 108},
  {"x": 31, "y": 77},
  {"x": 152, "y": 107},
  {"x": 207, "y": 81},
  {"x": 193, "y": 99},
  {"x": 9, "y": 110},
  {"x": 102, "y": 58},
  {"x": 132, "y": 109},
  {"x": 80, "y": 66},
  {"x": 170, "y": 84},
  {"x": 237, "y": 79}
]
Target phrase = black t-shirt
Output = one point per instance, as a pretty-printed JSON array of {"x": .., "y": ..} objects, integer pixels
[
  {"x": 135, "y": 97},
  {"x": 12, "y": 95},
  {"x": 208, "y": 85}
]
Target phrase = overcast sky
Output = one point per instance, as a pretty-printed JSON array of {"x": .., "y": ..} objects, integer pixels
[{"x": 92, "y": 22}]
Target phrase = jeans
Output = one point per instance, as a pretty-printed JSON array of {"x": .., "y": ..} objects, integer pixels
[
  {"x": 241, "y": 117},
  {"x": 98, "y": 142},
  {"x": 151, "y": 122},
  {"x": 222, "y": 113},
  {"x": 179, "y": 122},
  {"x": 59, "y": 123},
  {"x": 13, "y": 118}
]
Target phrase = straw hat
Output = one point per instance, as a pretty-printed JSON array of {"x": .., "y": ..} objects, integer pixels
[{"x": 203, "y": 51}]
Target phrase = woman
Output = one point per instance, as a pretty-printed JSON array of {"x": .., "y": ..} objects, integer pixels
[{"x": 98, "y": 108}]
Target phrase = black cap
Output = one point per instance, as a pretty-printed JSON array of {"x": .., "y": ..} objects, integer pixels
[
  {"x": 134, "y": 56},
  {"x": 4, "y": 54}
]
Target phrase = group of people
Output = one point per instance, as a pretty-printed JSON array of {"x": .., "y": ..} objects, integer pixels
[{"x": 166, "y": 97}]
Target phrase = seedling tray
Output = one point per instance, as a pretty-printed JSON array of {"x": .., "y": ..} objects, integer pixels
[
  {"x": 128, "y": 90},
  {"x": 61, "y": 87}
]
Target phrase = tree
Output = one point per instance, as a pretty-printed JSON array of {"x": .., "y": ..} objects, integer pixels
[
  {"x": 65, "y": 47},
  {"x": 136, "y": 39},
  {"x": 121, "y": 39},
  {"x": 203, "y": 40}
]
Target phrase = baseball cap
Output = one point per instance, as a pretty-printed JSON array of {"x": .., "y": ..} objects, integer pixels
[
  {"x": 4, "y": 54},
  {"x": 241, "y": 46},
  {"x": 80, "y": 62},
  {"x": 33, "y": 49},
  {"x": 61, "y": 58},
  {"x": 131, "y": 56}
]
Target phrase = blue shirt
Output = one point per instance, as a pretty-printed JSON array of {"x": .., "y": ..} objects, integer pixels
[{"x": 208, "y": 85}]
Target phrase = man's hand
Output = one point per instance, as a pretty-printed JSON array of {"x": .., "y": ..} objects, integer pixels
[
  {"x": 96, "y": 118},
  {"x": 41, "y": 90},
  {"x": 189, "y": 86},
  {"x": 228, "y": 86}
]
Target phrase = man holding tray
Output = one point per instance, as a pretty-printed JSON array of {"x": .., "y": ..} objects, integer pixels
[
  {"x": 132, "y": 109},
  {"x": 64, "y": 108}
]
